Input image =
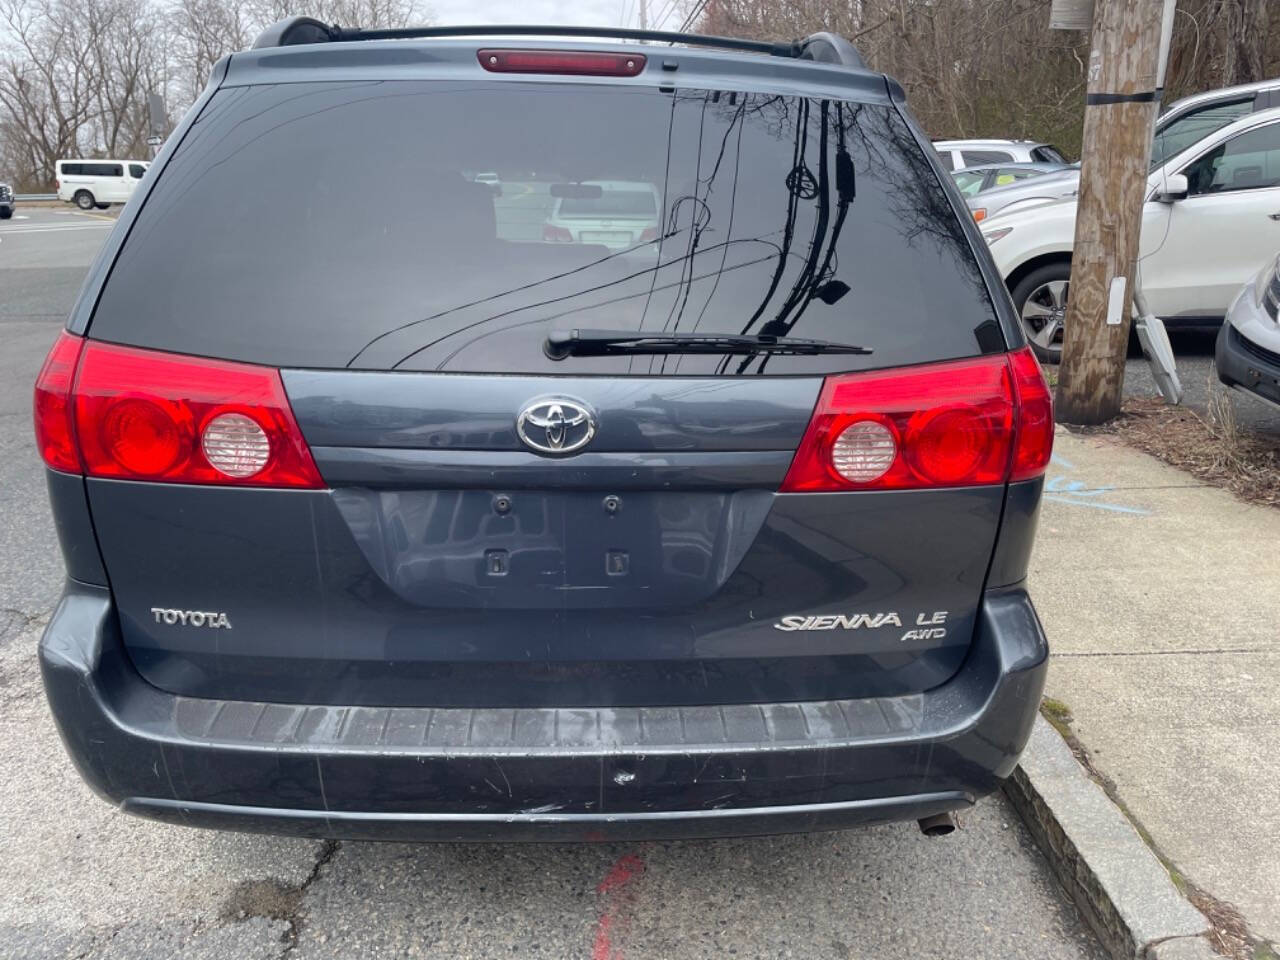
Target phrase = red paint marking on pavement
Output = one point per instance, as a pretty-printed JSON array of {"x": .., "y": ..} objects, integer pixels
[
  {"x": 618, "y": 890},
  {"x": 621, "y": 873}
]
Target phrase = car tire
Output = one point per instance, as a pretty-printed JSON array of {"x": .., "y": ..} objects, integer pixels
[
  {"x": 5, "y": 214},
  {"x": 84, "y": 200},
  {"x": 102, "y": 206},
  {"x": 1041, "y": 301}
]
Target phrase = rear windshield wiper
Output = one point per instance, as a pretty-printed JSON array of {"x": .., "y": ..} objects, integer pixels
[{"x": 602, "y": 343}]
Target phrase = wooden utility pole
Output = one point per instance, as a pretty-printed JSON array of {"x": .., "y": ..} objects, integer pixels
[{"x": 1119, "y": 110}]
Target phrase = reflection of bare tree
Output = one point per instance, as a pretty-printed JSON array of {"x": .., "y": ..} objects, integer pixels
[
  {"x": 921, "y": 209},
  {"x": 811, "y": 164}
]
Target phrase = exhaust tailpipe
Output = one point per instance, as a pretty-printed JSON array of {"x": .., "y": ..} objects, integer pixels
[{"x": 939, "y": 825}]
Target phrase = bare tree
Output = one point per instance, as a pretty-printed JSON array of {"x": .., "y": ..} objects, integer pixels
[
  {"x": 992, "y": 67},
  {"x": 1223, "y": 43},
  {"x": 348, "y": 13},
  {"x": 49, "y": 77},
  {"x": 129, "y": 52},
  {"x": 204, "y": 31},
  {"x": 969, "y": 67},
  {"x": 75, "y": 74}
]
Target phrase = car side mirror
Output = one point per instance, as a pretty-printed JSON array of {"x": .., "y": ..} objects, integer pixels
[{"x": 1175, "y": 188}]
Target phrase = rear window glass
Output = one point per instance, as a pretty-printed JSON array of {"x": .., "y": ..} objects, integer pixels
[
  {"x": 976, "y": 158},
  {"x": 612, "y": 202},
  {"x": 268, "y": 239}
]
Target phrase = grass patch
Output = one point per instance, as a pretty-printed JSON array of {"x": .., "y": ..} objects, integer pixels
[{"x": 1056, "y": 712}]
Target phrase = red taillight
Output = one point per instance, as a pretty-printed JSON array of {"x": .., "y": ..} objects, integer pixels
[
  {"x": 649, "y": 234},
  {"x": 553, "y": 234},
  {"x": 1034, "y": 441},
  {"x": 138, "y": 414},
  {"x": 953, "y": 424},
  {"x": 55, "y": 430},
  {"x": 575, "y": 62}
]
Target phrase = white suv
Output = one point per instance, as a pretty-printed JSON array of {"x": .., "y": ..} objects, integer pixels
[
  {"x": 958, "y": 154},
  {"x": 1211, "y": 218}
]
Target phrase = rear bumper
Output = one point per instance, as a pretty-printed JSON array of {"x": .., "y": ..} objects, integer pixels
[{"x": 446, "y": 774}]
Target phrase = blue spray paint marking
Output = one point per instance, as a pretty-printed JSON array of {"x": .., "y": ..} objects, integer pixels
[
  {"x": 1099, "y": 505},
  {"x": 1062, "y": 489}
]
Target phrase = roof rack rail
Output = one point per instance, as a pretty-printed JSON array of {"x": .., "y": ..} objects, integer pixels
[
  {"x": 830, "y": 48},
  {"x": 821, "y": 47}
]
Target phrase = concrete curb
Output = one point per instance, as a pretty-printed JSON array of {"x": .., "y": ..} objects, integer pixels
[{"x": 1119, "y": 885}]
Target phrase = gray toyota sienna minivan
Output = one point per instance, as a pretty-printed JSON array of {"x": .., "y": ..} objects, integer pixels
[{"x": 389, "y": 511}]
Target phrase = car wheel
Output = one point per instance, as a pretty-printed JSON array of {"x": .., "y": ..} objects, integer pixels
[
  {"x": 1041, "y": 301},
  {"x": 102, "y": 206},
  {"x": 83, "y": 199},
  {"x": 5, "y": 214}
]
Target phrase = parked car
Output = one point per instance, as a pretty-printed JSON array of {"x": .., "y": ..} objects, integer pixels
[
  {"x": 614, "y": 213},
  {"x": 1212, "y": 213},
  {"x": 958, "y": 154},
  {"x": 406, "y": 529},
  {"x": 7, "y": 203},
  {"x": 98, "y": 183},
  {"x": 1182, "y": 124},
  {"x": 1063, "y": 184},
  {"x": 1248, "y": 349},
  {"x": 975, "y": 180},
  {"x": 1189, "y": 120}
]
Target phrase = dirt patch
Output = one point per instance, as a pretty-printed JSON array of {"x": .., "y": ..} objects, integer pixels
[
  {"x": 270, "y": 899},
  {"x": 1211, "y": 447},
  {"x": 274, "y": 899}
]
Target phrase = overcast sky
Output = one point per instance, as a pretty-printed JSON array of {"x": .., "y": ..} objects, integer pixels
[{"x": 588, "y": 12}]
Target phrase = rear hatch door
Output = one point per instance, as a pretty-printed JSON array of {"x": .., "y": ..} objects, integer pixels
[{"x": 459, "y": 553}]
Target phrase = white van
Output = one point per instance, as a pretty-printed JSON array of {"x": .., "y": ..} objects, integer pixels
[{"x": 98, "y": 183}]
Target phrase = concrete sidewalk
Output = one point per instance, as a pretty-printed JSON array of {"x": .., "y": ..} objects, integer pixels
[{"x": 1161, "y": 600}]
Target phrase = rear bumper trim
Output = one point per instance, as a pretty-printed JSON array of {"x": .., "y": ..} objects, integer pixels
[
  {"x": 534, "y": 826},
  {"x": 540, "y": 773}
]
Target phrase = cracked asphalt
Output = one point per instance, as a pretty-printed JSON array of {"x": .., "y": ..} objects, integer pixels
[{"x": 79, "y": 879}]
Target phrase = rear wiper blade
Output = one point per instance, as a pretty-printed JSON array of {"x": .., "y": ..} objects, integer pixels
[{"x": 602, "y": 343}]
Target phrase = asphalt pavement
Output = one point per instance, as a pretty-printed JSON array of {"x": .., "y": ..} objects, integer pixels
[{"x": 82, "y": 880}]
